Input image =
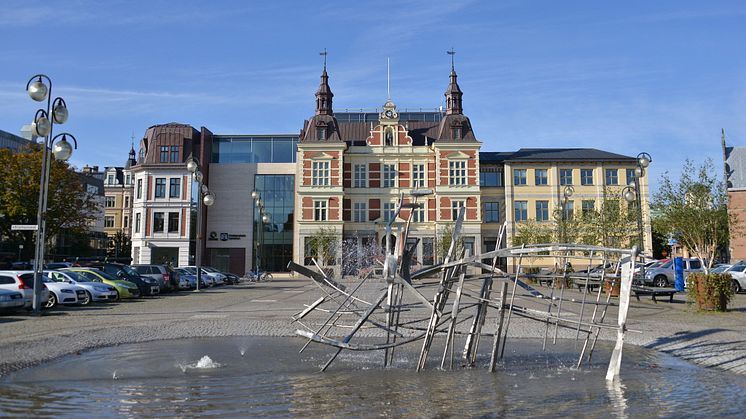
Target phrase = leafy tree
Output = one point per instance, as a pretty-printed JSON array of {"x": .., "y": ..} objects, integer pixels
[
  {"x": 119, "y": 245},
  {"x": 324, "y": 244},
  {"x": 531, "y": 232},
  {"x": 69, "y": 206},
  {"x": 444, "y": 242},
  {"x": 694, "y": 210}
]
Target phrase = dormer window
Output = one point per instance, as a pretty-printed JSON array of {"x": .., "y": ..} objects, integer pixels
[
  {"x": 456, "y": 131},
  {"x": 321, "y": 133}
]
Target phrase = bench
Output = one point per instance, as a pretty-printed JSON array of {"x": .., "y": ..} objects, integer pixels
[
  {"x": 654, "y": 292},
  {"x": 592, "y": 285}
]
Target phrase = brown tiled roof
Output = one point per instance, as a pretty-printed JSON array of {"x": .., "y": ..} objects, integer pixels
[{"x": 418, "y": 130}]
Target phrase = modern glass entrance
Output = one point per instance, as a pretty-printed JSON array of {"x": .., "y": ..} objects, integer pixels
[{"x": 273, "y": 222}]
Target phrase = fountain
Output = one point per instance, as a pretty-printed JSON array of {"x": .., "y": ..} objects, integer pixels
[{"x": 404, "y": 308}]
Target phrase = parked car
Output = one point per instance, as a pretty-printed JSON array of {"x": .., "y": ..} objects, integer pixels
[
  {"x": 57, "y": 265},
  {"x": 63, "y": 293},
  {"x": 94, "y": 291},
  {"x": 165, "y": 275},
  {"x": 188, "y": 278},
  {"x": 738, "y": 273},
  {"x": 125, "y": 289},
  {"x": 219, "y": 277},
  {"x": 147, "y": 286},
  {"x": 208, "y": 280},
  {"x": 231, "y": 278},
  {"x": 11, "y": 300},
  {"x": 663, "y": 275},
  {"x": 22, "y": 281}
]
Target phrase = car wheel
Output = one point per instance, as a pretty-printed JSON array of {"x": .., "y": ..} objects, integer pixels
[
  {"x": 661, "y": 281},
  {"x": 268, "y": 277},
  {"x": 88, "y": 298},
  {"x": 736, "y": 286},
  {"x": 52, "y": 301},
  {"x": 118, "y": 297}
]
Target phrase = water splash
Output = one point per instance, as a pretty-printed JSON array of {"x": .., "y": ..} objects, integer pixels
[
  {"x": 182, "y": 367},
  {"x": 243, "y": 351},
  {"x": 114, "y": 375},
  {"x": 206, "y": 363}
]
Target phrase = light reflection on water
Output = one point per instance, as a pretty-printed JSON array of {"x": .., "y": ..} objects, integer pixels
[{"x": 271, "y": 379}]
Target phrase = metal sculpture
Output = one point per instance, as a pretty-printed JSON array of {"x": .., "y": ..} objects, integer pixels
[{"x": 393, "y": 307}]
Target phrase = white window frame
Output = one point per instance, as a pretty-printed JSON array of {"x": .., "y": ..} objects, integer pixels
[
  {"x": 360, "y": 175},
  {"x": 419, "y": 215},
  {"x": 419, "y": 175},
  {"x": 523, "y": 210},
  {"x": 388, "y": 175},
  {"x": 109, "y": 221},
  {"x": 320, "y": 172},
  {"x": 388, "y": 211},
  {"x": 456, "y": 204},
  {"x": 359, "y": 212},
  {"x": 320, "y": 210},
  {"x": 457, "y": 172}
]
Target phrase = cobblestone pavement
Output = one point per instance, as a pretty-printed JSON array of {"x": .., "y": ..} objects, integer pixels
[{"x": 264, "y": 309}]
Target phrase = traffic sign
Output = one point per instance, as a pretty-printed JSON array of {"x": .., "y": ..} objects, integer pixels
[
  {"x": 672, "y": 242},
  {"x": 16, "y": 227}
]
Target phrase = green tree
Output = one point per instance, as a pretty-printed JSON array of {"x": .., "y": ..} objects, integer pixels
[
  {"x": 445, "y": 235},
  {"x": 119, "y": 245},
  {"x": 694, "y": 210},
  {"x": 324, "y": 244},
  {"x": 69, "y": 206}
]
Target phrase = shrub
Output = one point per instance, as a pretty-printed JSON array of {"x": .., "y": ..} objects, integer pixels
[{"x": 710, "y": 291}]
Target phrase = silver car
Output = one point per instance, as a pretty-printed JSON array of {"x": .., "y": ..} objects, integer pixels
[
  {"x": 10, "y": 300},
  {"x": 94, "y": 291},
  {"x": 663, "y": 275},
  {"x": 22, "y": 281}
]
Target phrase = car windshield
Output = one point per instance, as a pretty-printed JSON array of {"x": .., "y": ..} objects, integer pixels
[
  {"x": 108, "y": 276},
  {"x": 667, "y": 264},
  {"x": 130, "y": 271},
  {"x": 190, "y": 270},
  {"x": 721, "y": 268},
  {"x": 72, "y": 275},
  {"x": 209, "y": 269}
]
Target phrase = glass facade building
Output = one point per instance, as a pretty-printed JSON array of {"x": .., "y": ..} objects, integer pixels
[
  {"x": 254, "y": 148},
  {"x": 273, "y": 240}
]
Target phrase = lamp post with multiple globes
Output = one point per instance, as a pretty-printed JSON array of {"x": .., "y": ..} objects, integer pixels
[
  {"x": 43, "y": 127},
  {"x": 204, "y": 197}
]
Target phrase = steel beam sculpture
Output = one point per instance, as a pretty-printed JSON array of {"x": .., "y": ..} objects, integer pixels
[{"x": 396, "y": 307}]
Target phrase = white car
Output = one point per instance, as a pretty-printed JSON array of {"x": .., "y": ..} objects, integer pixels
[
  {"x": 738, "y": 273},
  {"x": 63, "y": 293},
  {"x": 210, "y": 279},
  {"x": 94, "y": 291},
  {"x": 10, "y": 300},
  {"x": 22, "y": 281}
]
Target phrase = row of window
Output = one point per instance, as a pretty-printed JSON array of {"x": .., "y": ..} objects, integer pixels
[
  {"x": 109, "y": 221},
  {"x": 112, "y": 180},
  {"x": 360, "y": 211},
  {"x": 320, "y": 174},
  {"x": 174, "y": 187},
  {"x": 566, "y": 177},
  {"x": 162, "y": 221},
  {"x": 111, "y": 202},
  {"x": 169, "y": 154},
  {"x": 520, "y": 209}
]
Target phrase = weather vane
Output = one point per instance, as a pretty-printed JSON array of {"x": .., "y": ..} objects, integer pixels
[
  {"x": 452, "y": 52},
  {"x": 324, "y": 54}
]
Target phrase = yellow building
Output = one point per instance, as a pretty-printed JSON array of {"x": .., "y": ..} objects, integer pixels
[
  {"x": 529, "y": 186},
  {"x": 118, "y": 188}
]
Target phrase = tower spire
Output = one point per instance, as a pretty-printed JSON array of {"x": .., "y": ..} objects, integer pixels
[
  {"x": 324, "y": 95},
  {"x": 453, "y": 92}
]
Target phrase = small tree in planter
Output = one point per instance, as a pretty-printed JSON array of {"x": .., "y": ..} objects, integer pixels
[
  {"x": 694, "y": 211},
  {"x": 324, "y": 245},
  {"x": 711, "y": 291}
]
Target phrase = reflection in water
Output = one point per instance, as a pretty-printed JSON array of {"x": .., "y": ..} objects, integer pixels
[
  {"x": 616, "y": 395},
  {"x": 271, "y": 379}
]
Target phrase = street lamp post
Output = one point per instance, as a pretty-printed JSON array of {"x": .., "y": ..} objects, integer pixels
[
  {"x": 43, "y": 126},
  {"x": 633, "y": 193},
  {"x": 566, "y": 194},
  {"x": 20, "y": 248},
  {"x": 260, "y": 218},
  {"x": 204, "y": 196}
]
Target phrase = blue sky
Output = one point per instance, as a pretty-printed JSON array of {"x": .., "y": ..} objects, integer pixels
[{"x": 662, "y": 77}]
